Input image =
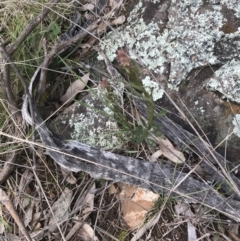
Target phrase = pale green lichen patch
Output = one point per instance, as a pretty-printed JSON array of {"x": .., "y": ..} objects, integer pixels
[
  {"x": 193, "y": 33},
  {"x": 226, "y": 81},
  {"x": 94, "y": 128},
  {"x": 90, "y": 122},
  {"x": 187, "y": 42},
  {"x": 142, "y": 41},
  {"x": 152, "y": 88},
  {"x": 236, "y": 123}
]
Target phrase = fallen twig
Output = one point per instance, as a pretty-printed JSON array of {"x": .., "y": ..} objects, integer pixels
[
  {"x": 7, "y": 90},
  {"x": 8, "y": 166},
  {"x": 60, "y": 47},
  {"x": 4, "y": 199}
]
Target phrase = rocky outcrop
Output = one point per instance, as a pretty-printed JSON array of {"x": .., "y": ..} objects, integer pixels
[{"x": 191, "y": 49}]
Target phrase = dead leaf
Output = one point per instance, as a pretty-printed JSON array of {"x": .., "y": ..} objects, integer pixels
[
  {"x": 24, "y": 189},
  {"x": 61, "y": 206},
  {"x": 69, "y": 176},
  {"x": 28, "y": 214},
  {"x": 112, "y": 189},
  {"x": 143, "y": 229},
  {"x": 36, "y": 216},
  {"x": 169, "y": 151},
  {"x": 102, "y": 27},
  {"x": 181, "y": 208},
  {"x": 26, "y": 178},
  {"x": 86, "y": 7},
  {"x": 86, "y": 233},
  {"x": 38, "y": 226},
  {"x": 155, "y": 156},
  {"x": 118, "y": 21},
  {"x": 113, "y": 3},
  {"x": 76, "y": 87},
  {"x": 184, "y": 209}
]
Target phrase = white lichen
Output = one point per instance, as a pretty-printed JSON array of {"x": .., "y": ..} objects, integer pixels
[
  {"x": 226, "y": 81},
  {"x": 234, "y": 5},
  {"x": 236, "y": 124},
  {"x": 193, "y": 39},
  {"x": 201, "y": 110},
  {"x": 187, "y": 42},
  {"x": 95, "y": 129},
  {"x": 152, "y": 88}
]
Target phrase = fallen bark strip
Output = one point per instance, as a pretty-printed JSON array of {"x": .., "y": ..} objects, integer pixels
[
  {"x": 159, "y": 178},
  {"x": 187, "y": 141},
  {"x": 76, "y": 156}
]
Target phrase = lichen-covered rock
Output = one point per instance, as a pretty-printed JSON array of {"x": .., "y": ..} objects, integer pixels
[
  {"x": 196, "y": 33},
  {"x": 182, "y": 43},
  {"x": 192, "y": 36},
  {"x": 226, "y": 80},
  {"x": 89, "y": 121},
  {"x": 194, "y": 28}
]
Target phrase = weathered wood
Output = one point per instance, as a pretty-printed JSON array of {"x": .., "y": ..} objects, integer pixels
[
  {"x": 158, "y": 177},
  {"x": 210, "y": 159},
  {"x": 187, "y": 141}
]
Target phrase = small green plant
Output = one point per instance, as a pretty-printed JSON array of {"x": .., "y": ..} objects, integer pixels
[
  {"x": 140, "y": 131},
  {"x": 122, "y": 236}
]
